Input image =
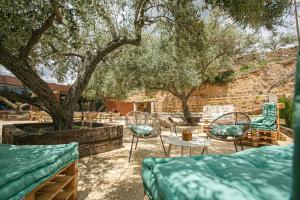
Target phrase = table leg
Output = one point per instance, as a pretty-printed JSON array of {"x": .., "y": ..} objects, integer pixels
[
  {"x": 190, "y": 151},
  {"x": 169, "y": 150},
  {"x": 181, "y": 150}
]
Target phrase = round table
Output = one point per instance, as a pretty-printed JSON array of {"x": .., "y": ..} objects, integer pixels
[{"x": 196, "y": 142}]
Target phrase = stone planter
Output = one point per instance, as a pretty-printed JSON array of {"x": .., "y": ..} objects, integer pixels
[{"x": 98, "y": 138}]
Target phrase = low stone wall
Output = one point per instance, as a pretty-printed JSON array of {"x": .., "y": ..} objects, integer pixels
[
  {"x": 97, "y": 139},
  {"x": 287, "y": 131}
]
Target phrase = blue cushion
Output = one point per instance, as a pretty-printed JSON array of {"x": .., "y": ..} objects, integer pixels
[
  {"x": 227, "y": 130},
  {"x": 141, "y": 130},
  {"x": 256, "y": 174},
  {"x": 24, "y": 167}
]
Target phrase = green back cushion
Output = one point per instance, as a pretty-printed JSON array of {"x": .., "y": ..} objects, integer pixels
[
  {"x": 141, "y": 129},
  {"x": 269, "y": 111},
  {"x": 268, "y": 120},
  {"x": 229, "y": 130}
]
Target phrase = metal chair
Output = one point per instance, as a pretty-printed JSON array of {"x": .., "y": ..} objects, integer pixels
[
  {"x": 136, "y": 119},
  {"x": 166, "y": 123},
  {"x": 230, "y": 127}
]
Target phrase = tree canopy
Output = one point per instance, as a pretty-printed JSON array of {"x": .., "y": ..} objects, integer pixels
[
  {"x": 159, "y": 64},
  {"x": 73, "y": 38}
]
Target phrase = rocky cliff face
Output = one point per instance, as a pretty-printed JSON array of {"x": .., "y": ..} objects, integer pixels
[{"x": 255, "y": 81}]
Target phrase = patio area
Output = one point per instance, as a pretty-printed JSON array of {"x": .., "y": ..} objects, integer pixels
[{"x": 110, "y": 176}]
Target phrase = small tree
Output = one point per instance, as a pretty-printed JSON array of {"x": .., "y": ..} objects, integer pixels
[
  {"x": 182, "y": 73},
  {"x": 179, "y": 66},
  {"x": 277, "y": 40}
]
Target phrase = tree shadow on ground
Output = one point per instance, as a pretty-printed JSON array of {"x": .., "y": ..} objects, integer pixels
[{"x": 109, "y": 175}]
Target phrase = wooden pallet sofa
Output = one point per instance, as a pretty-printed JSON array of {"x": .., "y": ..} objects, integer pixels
[
  {"x": 38, "y": 172},
  {"x": 263, "y": 173},
  {"x": 265, "y": 129}
]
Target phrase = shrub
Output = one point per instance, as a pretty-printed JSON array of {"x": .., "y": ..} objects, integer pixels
[
  {"x": 245, "y": 68},
  {"x": 224, "y": 77},
  {"x": 288, "y": 112}
]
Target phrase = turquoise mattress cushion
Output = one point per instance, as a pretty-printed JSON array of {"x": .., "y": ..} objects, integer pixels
[
  {"x": 257, "y": 174},
  {"x": 22, "y": 168},
  {"x": 141, "y": 129},
  {"x": 268, "y": 119},
  {"x": 227, "y": 130}
]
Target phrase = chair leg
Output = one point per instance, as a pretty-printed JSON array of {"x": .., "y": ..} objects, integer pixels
[
  {"x": 175, "y": 130},
  {"x": 137, "y": 140},
  {"x": 130, "y": 152},
  {"x": 235, "y": 146},
  {"x": 171, "y": 131},
  {"x": 203, "y": 150},
  {"x": 241, "y": 145},
  {"x": 162, "y": 142}
]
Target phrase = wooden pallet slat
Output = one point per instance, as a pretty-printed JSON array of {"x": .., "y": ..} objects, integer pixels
[
  {"x": 62, "y": 186},
  {"x": 64, "y": 195}
]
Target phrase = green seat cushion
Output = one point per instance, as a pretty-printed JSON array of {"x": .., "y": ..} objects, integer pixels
[
  {"x": 23, "y": 168},
  {"x": 141, "y": 129},
  {"x": 256, "y": 174},
  {"x": 227, "y": 130}
]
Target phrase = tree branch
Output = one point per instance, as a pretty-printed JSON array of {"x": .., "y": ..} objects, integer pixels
[
  {"x": 92, "y": 61},
  {"x": 82, "y": 57},
  {"x": 25, "y": 98},
  {"x": 36, "y": 36},
  {"x": 8, "y": 103},
  {"x": 108, "y": 20},
  {"x": 154, "y": 19},
  {"x": 191, "y": 91},
  {"x": 155, "y": 6},
  {"x": 172, "y": 89},
  {"x": 172, "y": 92},
  {"x": 38, "y": 33},
  {"x": 30, "y": 78},
  {"x": 215, "y": 58}
]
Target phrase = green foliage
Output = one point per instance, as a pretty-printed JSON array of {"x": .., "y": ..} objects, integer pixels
[
  {"x": 111, "y": 83},
  {"x": 256, "y": 13},
  {"x": 224, "y": 76},
  {"x": 84, "y": 26},
  {"x": 262, "y": 63},
  {"x": 288, "y": 112},
  {"x": 245, "y": 68},
  {"x": 277, "y": 40}
]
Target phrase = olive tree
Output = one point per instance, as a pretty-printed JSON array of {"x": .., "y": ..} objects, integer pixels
[
  {"x": 63, "y": 35},
  {"x": 158, "y": 65}
]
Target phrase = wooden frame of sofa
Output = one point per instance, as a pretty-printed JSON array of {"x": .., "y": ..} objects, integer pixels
[
  {"x": 62, "y": 186},
  {"x": 273, "y": 135}
]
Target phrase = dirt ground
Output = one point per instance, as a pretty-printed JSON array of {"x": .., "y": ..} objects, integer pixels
[{"x": 109, "y": 176}]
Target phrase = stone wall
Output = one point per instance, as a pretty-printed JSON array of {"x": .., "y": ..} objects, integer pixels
[
  {"x": 247, "y": 92},
  {"x": 97, "y": 139}
]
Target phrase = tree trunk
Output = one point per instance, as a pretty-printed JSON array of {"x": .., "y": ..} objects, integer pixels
[
  {"x": 185, "y": 109},
  {"x": 62, "y": 122}
]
